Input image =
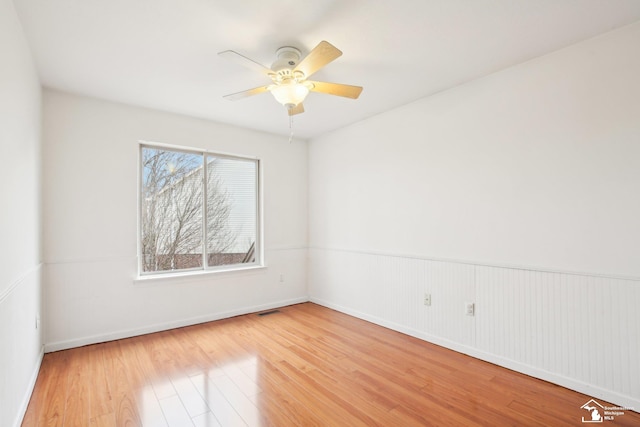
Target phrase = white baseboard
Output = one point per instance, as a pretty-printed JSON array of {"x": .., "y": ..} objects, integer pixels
[
  {"x": 116, "y": 335},
  {"x": 596, "y": 392},
  {"x": 27, "y": 396}
]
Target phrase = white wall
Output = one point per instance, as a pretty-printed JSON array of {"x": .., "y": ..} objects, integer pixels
[
  {"x": 519, "y": 192},
  {"x": 90, "y": 168},
  {"x": 20, "y": 341}
]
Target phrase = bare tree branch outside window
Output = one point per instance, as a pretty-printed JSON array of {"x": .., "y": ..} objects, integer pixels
[{"x": 172, "y": 212}]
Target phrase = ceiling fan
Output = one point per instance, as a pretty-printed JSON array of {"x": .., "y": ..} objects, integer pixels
[{"x": 289, "y": 74}]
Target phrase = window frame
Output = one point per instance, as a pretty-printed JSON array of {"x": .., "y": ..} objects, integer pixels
[{"x": 205, "y": 269}]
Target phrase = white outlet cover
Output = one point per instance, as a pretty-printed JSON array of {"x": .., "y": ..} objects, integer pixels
[
  {"x": 469, "y": 308},
  {"x": 427, "y": 299}
]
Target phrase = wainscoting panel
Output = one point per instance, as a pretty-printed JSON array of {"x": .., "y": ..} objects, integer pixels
[
  {"x": 577, "y": 330},
  {"x": 581, "y": 327},
  {"x": 392, "y": 288},
  {"x": 95, "y": 300},
  {"x": 21, "y": 341}
]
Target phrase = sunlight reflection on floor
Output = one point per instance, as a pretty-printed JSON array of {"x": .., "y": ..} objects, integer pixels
[{"x": 225, "y": 395}]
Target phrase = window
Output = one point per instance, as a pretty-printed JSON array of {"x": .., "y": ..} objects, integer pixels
[{"x": 198, "y": 210}]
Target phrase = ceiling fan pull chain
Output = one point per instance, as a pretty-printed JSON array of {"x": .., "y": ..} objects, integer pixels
[{"x": 290, "y": 129}]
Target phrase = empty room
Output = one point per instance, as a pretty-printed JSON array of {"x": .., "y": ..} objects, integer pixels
[{"x": 319, "y": 213}]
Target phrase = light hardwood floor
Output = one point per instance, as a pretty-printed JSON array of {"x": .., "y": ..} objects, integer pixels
[{"x": 303, "y": 366}]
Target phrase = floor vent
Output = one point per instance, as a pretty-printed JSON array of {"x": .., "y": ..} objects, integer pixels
[{"x": 266, "y": 313}]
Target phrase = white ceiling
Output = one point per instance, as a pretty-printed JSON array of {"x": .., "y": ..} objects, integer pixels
[{"x": 162, "y": 54}]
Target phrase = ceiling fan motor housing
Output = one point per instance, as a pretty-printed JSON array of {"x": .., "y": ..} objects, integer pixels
[{"x": 288, "y": 58}]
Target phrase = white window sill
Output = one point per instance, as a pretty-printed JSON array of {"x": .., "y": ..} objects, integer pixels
[{"x": 198, "y": 275}]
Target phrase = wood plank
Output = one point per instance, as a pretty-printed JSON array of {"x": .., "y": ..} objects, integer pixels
[
  {"x": 52, "y": 414},
  {"x": 281, "y": 408},
  {"x": 100, "y": 401},
  {"x": 241, "y": 403},
  {"x": 104, "y": 420},
  {"x": 77, "y": 398},
  {"x": 220, "y": 407},
  {"x": 148, "y": 380},
  {"x": 307, "y": 365},
  {"x": 193, "y": 402},
  {"x": 149, "y": 408},
  {"x": 322, "y": 402},
  {"x": 175, "y": 412},
  {"x": 43, "y": 391},
  {"x": 206, "y": 420},
  {"x": 123, "y": 395}
]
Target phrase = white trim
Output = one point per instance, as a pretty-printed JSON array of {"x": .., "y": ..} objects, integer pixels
[
  {"x": 579, "y": 386},
  {"x": 195, "y": 150},
  {"x": 112, "y": 258},
  {"x": 79, "y": 260},
  {"x": 194, "y": 275},
  {"x": 475, "y": 263},
  {"x": 277, "y": 248},
  {"x": 63, "y": 345},
  {"x": 22, "y": 410},
  {"x": 259, "y": 244},
  {"x": 139, "y": 183},
  {"x": 12, "y": 287}
]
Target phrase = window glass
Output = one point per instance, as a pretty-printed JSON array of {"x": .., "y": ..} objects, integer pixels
[
  {"x": 179, "y": 224},
  {"x": 231, "y": 211}
]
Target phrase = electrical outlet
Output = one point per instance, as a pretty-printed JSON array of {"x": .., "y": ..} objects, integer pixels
[
  {"x": 469, "y": 308},
  {"x": 37, "y": 322},
  {"x": 427, "y": 299},
  {"x": 281, "y": 278}
]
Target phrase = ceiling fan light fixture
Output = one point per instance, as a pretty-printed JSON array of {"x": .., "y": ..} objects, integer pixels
[
  {"x": 289, "y": 74},
  {"x": 290, "y": 94}
]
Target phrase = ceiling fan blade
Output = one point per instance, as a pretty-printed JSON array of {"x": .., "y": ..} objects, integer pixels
[
  {"x": 246, "y": 93},
  {"x": 246, "y": 62},
  {"x": 338, "y": 89},
  {"x": 296, "y": 110},
  {"x": 319, "y": 56}
]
